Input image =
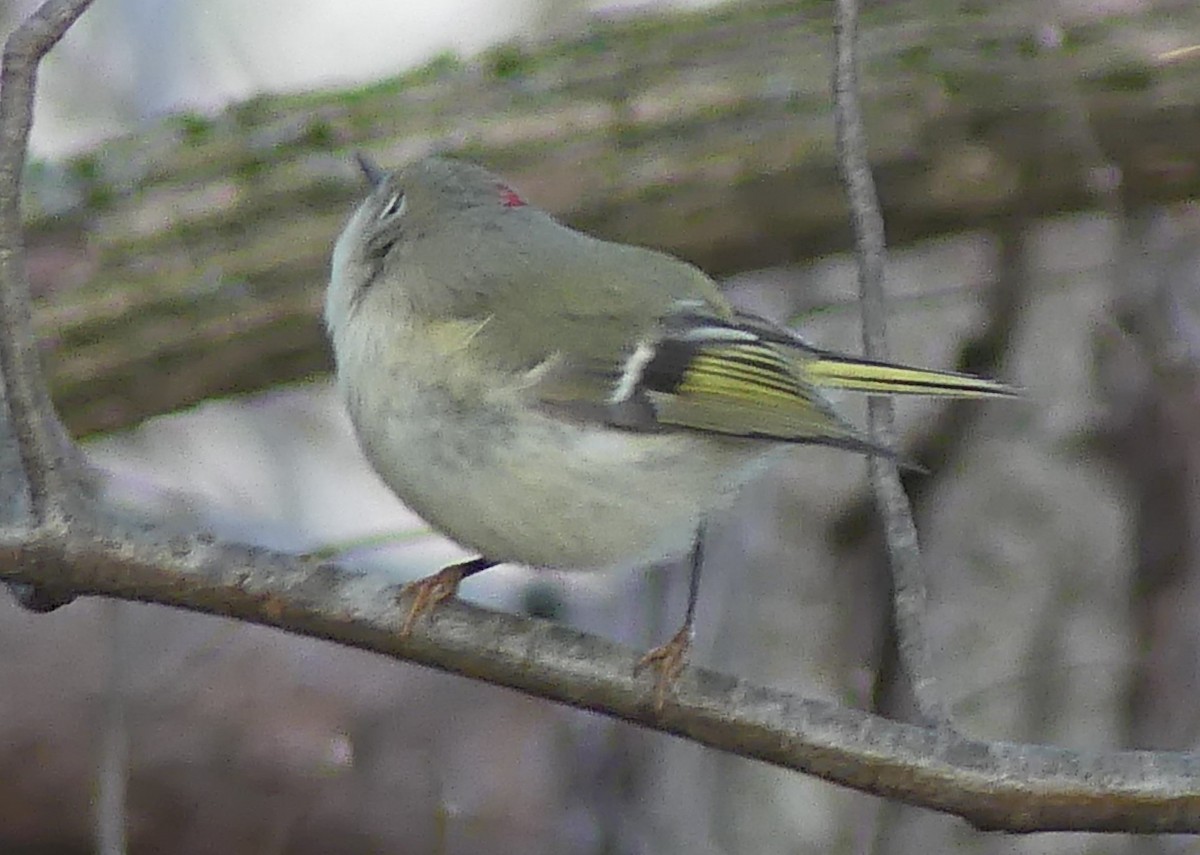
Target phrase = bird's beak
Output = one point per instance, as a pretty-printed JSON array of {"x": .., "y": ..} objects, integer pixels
[{"x": 370, "y": 169}]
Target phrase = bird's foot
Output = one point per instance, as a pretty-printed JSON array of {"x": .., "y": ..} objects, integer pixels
[
  {"x": 667, "y": 663},
  {"x": 429, "y": 592}
]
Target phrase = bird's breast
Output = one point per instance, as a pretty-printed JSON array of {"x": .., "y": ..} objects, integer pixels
[{"x": 463, "y": 449}]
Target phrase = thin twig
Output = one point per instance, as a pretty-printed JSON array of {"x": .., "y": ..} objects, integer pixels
[
  {"x": 908, "y": 581},
  {"x": 45, "y": 453},
  {"x": 112, "y": 768}
]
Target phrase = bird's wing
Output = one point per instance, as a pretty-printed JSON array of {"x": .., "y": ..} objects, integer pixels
[
  {"x": 831, "y": 370},
  {"x": 668, "y": 353},
  {"x": 697, "y": 369}
]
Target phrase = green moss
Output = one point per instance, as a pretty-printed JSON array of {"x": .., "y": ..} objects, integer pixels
[
  {"x": 442, "y": 65},
  {"x": 1131, "y": 76},
  {"x": 1075, "y": 38},
  {"x": 876, "y": 14},
  {"x": 88, "y": 173},
  {"x": 476, "y": 152},
  {"x": 254, "y": 112},
  {"x": 976, "y": 8},
  {"x": 641, "y": 30},
  {"x": 953, "y": 84},
  {"x": 915, "y": 58},
  {"x": 508, "y": 62},
  {"x": 99, "y": 196},
  {"x": 251, "y": 167},
  {"x": 35, "y": 171},
  {"x": 85, "y": 168},
  {"x": 627, "y": 135},
  {"x": 194, "y": 129},
  {"x": 655, "y": 193},
  {"x": 594, "y": 43},
  {"x": 319, "y": 135},
  {"x": 988, "y": 46},
  {"x": 355, "y": 97}
]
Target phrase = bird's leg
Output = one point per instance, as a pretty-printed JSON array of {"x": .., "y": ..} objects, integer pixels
[
  {"x": 669, "y": 659},
  {"x": 443, "y": 585}
]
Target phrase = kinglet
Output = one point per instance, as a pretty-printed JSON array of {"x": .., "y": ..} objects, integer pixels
[{"x": 549, "y": 399}]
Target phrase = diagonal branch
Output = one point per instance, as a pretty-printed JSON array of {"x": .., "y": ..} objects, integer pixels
[
  {"x": 994, "y": 785},
  {"x": 41, "y": 440}
]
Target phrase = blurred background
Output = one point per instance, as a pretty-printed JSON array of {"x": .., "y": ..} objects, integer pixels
[{"x": 1038, "y": 166}]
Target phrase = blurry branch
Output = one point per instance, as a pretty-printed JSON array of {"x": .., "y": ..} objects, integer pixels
[
  {"x": 186, "y": 262},
  {"x": 70, "y": 547},
  {"x": 112, "y": 766},
  {"x": 904, "y": 555},
  {"x": 1148, "y": 358}
]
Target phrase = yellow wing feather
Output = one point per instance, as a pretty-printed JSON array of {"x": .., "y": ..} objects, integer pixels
[
  {"x": 862, "y": 375},
  {"x": 764, "y": 389},
  {"x": 751, "y": 389}
]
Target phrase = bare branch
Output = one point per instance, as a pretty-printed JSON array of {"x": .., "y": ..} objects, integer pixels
[
  {"x": 908, "y": 579},
  {"x": 112, "y": 772},
  {"x": 40, "y": 437},
  {"x": 992, "y": 784}
]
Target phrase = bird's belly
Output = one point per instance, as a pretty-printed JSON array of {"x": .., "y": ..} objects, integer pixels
[{"x": 520, "y": 486}]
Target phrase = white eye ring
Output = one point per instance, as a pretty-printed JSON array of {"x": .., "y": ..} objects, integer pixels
[{"x": 395, "y": 206}]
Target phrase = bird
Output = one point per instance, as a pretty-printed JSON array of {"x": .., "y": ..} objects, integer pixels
[{"x": 547, "y": 398}]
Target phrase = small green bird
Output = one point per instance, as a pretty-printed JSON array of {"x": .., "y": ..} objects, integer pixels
[{"x": 546, "y": 398}]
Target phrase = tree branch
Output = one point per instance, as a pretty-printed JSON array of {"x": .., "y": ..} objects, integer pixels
[
  {"x": 900, "y": 532},
  {"x": 994, "y": 785},
  {"x": 194, "y": 250},
  {"x": 40, "y": 437}
]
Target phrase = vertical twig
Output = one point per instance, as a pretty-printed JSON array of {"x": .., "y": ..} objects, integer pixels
[
  {"x": 112, "y": 770},
  {"x": 40, "y": 437},
  {"x": 907, "y": 575}
]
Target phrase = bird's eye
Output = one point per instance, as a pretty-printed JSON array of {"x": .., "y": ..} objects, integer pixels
[{"x": 394, "y": 207}]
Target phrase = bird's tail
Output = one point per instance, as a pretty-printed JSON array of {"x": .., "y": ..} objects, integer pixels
[{"x": 883, "y": 378}]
